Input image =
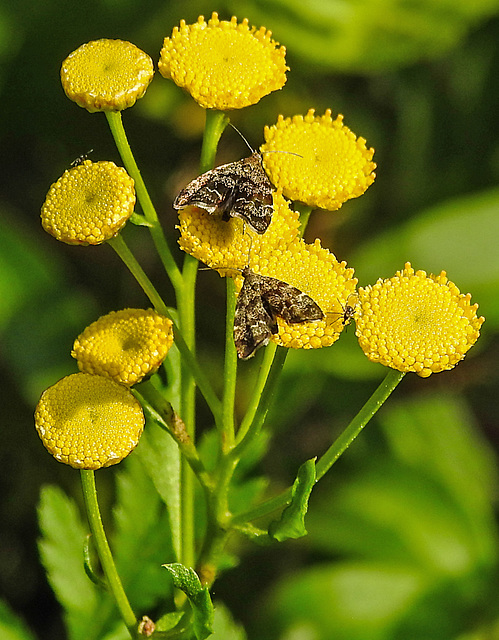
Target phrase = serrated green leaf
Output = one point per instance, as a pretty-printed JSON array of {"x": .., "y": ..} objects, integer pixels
[
  {"x": 61, "y": 552},
  {"x": 292, "y": 521},
  {"x": 11, "y": 627},
  {"x": 186, "y": 579}
]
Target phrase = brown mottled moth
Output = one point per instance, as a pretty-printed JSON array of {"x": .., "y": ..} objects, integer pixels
[
  {"x": 260, "y": 301},
  {"x": 239, "y": 189}
]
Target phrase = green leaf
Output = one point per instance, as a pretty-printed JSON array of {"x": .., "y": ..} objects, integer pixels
[
  {"x": 139, "y": 220},
  {"x": 11, "y": 627},
  {"x": 161, "y": 461},
  {"x": 224, "y": 626},
  {"x": 61, "y": 552},
  {"x": 360, "y": 601},
  {"x": 143, "y": 540},
  {"x": 187, "y": 580},
  {"x": 292, "y": 521}
]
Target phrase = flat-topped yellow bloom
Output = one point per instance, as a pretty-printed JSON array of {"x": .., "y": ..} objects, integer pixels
[
  {"x": 327, "y": 165},
  {"x": 106, "y": 75},
  {"x": 315, "y": 271},
  {"x": 89, "y": 422},
  {"x": 416, "y": 322},
  {"x": 89, "y": 204},
  {"x": 223, "y": 64},
  {"x": 125, "y": 345}
]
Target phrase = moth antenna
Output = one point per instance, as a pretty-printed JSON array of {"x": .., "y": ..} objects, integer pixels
[
  {"x": 291, "y": 153},
  {"x": 247, "y": 143},
  {"x": 249, "y": 248}
]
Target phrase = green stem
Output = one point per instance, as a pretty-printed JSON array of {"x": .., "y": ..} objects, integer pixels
[
  {"x": 162, "y": 412},
  {"x": 230, "y": 371},
  {"x": 186, "y": 312},
  {"x": 214, "y": 126},
  {"x": 370, "y": 408},
  {"x": 215, "y": 123},
  {"x": 122, "y": 249},
  {"x": 256, "y": 395},
  {"x": 116, "y": 125},
  {"x": 338, "y": 447},
  {"x": 277, "y": 357},
  {"x": 119, "y": 245},
  {"x": 104, "y": 552},
  {"x": 305, "y": 212}
]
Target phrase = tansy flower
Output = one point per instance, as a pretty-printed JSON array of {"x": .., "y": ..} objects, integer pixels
[
  {"x": 89, "y": 204},
  {"x": 125, "y": 345},
  {"x": 223, "y": 65},
  {"x": 328, "y": 164},
  {"x": 220, "y": 243},
  {"x": 315, "y": 271},
  {"x": 89, "y": 421},
  {"x": 415, "y": 322},
  {"x": 106, "y": 75}
]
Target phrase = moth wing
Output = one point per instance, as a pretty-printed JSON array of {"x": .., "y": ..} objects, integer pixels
[
  {"x": 253, "y": 325},
  {"x": 253, "y": 203},
  {"x": 209, "y": 191},
  {"x": 289, "y": 303}
]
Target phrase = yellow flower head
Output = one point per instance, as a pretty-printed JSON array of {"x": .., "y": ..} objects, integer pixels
[
  {"x": 89, "y": 421},
  {"x": 218, "y": 243},
  {"x": 89, "y": 204},
  {"x": 315, "y": 271},
  {"x": 415, "y": 322},
  {"x": 331, "y": 164},
  {"x": 124, "y": 345},
  {"x": 223, "y": 65},
  {"x": 106, "y": 75}
]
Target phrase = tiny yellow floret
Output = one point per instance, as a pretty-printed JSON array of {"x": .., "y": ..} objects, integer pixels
[
  {"x": 88, "y": 421},
  {"x": 106, "y": 75},
  {"x": 416, "y": 322},
  {"x": 89, "y": 204},
  {"x": 125, "y": 345},
  {"x": 317, "y": 160},
  {"x": 223, "y": 64}
]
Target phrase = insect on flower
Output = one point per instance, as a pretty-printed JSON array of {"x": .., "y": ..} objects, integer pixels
[
  {"x": 261, "y": 300},
  {"x": 239, "y": 189}
]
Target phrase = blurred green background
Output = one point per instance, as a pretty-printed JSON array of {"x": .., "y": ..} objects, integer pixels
[{"x": 403, "y": 534}]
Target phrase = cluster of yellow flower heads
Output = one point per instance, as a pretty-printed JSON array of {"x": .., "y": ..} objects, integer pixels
[
  {"x": 410, "y": 322},
  {"x": 91, "y": 419}
]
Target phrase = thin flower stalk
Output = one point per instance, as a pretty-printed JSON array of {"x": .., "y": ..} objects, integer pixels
[{"x": 116, "y": 125}]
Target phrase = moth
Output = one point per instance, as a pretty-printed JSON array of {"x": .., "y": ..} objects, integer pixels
[
  {"x": 261, "y": 300},
  {"x": 239, "y": 189}
]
